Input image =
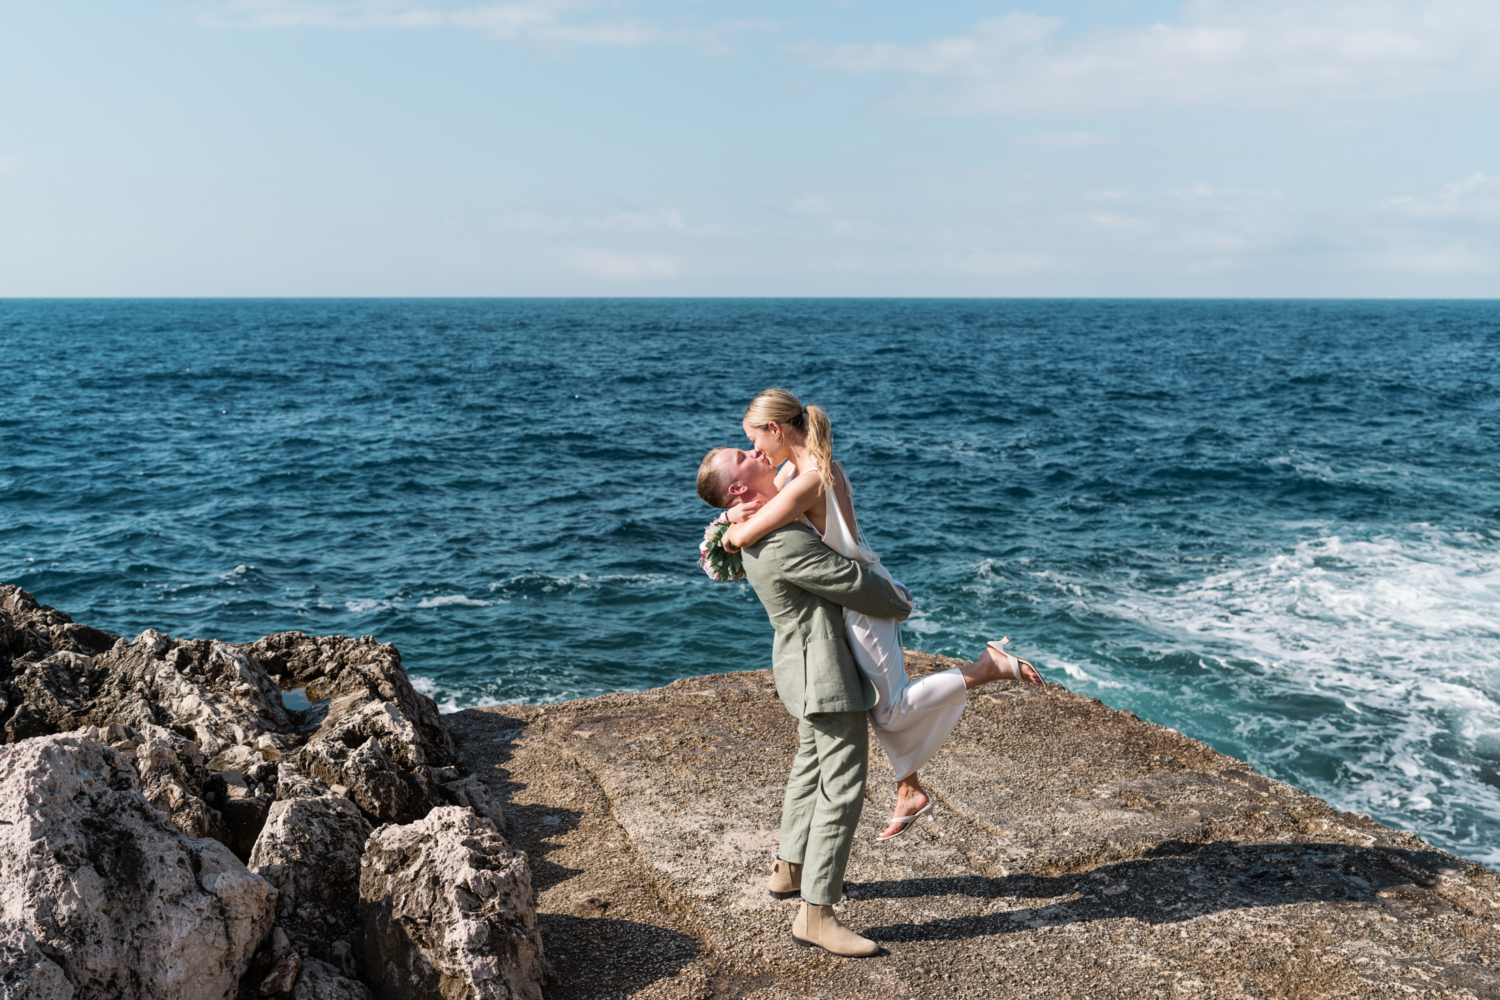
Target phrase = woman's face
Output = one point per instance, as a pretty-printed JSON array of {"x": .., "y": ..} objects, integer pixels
[{"x": 763, "y": 440}]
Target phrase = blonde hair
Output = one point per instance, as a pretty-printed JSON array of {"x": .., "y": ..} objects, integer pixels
[
  {"x": 711, "y": 485},
  {"x": 786, "y": 409}
]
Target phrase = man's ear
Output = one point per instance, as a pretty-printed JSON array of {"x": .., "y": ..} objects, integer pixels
[{"x": 737, "y": 490}]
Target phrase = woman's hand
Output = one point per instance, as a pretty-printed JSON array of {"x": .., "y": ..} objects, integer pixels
[
  {"x": 906, "y": 596},
  {"x": 741, "y": 511}
]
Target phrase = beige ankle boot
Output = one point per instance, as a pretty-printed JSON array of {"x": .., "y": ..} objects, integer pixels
[
  {"x": 786, "y": 879},
  {"x": 817, "y": 925}
]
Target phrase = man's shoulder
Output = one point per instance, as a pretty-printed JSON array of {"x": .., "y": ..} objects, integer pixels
[{"x": 788, "y": 535}]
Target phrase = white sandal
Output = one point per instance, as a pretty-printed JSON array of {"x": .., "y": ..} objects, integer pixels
[
  {"x": 907, "y": 821},
  {"x": 1017, "y": 664}
]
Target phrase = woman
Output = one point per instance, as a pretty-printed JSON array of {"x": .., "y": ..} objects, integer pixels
[{"x": 912, "y": 718}]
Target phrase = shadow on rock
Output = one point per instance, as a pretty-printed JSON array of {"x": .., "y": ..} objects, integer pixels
[
  {"x": 532, "y": 827},
  {"x": 595, "y": 957},
  {"x": 1177, "y": 882},
  {"x": 491, "y": 740},
  {"x": 491, "y": 736}
]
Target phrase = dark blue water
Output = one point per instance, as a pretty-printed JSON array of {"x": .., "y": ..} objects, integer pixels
[{"x": 1274, "y": 526}]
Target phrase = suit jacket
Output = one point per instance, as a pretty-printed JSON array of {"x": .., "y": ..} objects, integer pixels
[{"x": 805, "y": 586}]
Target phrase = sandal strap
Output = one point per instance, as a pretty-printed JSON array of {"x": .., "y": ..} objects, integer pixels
[{"x": 924, "y": 811}]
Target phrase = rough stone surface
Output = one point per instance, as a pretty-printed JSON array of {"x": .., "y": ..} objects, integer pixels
[
  {"x": 244, "y": 802},
  {"x": 310, "y": 850},
  {"x": 274, "y": 969},
  {"x": 1077, "y": 852},
  {"x": 350, "y": 674},
  {"x": 321, "y": 981},
  {"x": 375, "y": 753},
  {"x": 369, "y": 730},
  {"x": 207, "y": 691},
  {"x": 447, "y": 909},
  {"x": 172, "y": 770},
  {"x": 113, "y": 895},
  {"x": 29, "y": 627},
  {"x": 26, "y": 973},
  {"x": 474, "y": 793},
  {"x": 216, "y": 748}
]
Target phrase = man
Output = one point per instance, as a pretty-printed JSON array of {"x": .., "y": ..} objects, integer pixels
[{"x": 805, "y": 586}]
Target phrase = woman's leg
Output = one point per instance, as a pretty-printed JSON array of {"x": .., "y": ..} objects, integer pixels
[
  {"x": 993, "y": 666},
  {"x": 911, "y": 798}
]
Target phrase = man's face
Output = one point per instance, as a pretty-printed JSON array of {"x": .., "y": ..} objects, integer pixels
[{"x": 746, "y": 472}]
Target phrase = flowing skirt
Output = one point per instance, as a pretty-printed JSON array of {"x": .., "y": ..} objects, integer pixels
[{"x": 912, "y": 719}]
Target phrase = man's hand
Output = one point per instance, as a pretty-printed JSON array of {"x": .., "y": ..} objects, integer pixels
[{"x": 742, "y": 511}]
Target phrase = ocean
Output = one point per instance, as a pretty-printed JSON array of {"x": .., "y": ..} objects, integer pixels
[{"x": 1272, "y": 525}]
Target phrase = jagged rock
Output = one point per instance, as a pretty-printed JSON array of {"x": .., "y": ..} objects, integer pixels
[
  {"x": 350, "y": 674},
  {"x": 376, "y": 753},
  {"x": 274, "y": 970},
  {"x": 215, "y": 748},
  {"x": 50, "y": 691},
  {"x": 448, "y": 912},
  {"x": 24, "y": 609},
  {"x": 124, "y": 903},
  {"x": 172, "y": 771},
  {"x": 244, "y": 804},
  {"x": 476, "y": 795},
  {"x": 291, "y": 783},
  {"x": 26, "y": 625},
  {"x": 7, "y": 631},
  {"x": 321, "y": 981},
  {"x": 207, "y": 691},
  {"x": 310, "y": 851},
  {"x": 26, "y": 973},
  {"x": 375, "y": 735}
]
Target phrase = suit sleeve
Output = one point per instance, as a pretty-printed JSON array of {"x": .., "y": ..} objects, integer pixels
[{"x": 809, "y": 564}]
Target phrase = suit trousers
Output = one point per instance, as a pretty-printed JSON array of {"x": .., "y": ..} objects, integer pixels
[{"x": 825, "y": 794}]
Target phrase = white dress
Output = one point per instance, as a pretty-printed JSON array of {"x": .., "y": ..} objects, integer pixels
[{"x": 912, "y": 719}]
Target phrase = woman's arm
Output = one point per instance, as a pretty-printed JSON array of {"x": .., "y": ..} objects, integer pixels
[{"x": 791, "y": 503}]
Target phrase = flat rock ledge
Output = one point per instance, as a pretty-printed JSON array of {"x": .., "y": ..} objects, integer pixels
[{"x": 1077, "y": 851}]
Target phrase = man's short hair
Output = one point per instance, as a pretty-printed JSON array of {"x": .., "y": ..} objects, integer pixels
[{"x": 711, "y": 485}]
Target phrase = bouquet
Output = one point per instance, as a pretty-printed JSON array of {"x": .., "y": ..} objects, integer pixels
[{"x": 721, "y": 566}]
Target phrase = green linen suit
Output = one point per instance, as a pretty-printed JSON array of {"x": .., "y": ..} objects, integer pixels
[{"x": 805, "y": 587}]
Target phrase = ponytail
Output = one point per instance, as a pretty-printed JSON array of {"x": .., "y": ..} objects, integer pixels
[
  {"x": 786, "y": 409},
  {"x": 819, "y": 434}
]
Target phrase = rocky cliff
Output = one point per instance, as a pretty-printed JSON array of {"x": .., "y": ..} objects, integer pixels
[{"x": 169, "y": 828}]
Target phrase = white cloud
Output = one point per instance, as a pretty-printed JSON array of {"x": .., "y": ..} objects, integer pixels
[
  {"x": 810, "y": 204},
  {"x": 1451, "y": 258},
  {"x": 1061, "y": 140},
  {"x": 1476, "y": 196},
  {"x": 550, "y": 22},
  {"x": 1266, "y": 56},
  {"x": 1451, "y": 231},
  {"x": 628, "y": 266},
  {"x": 665, "y": 220},
  {"x": 1114, "y": 220},
  {"x": 1230, "y": 199},
  {"x": 10, "y": 164},
  {"x": 634, "y": 221},
  {"x": 541, "y": 20},
  {"x": 536, "y": 222}
]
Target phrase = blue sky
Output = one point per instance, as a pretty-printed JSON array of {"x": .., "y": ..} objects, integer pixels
[{"x": 727, "y": 147}]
